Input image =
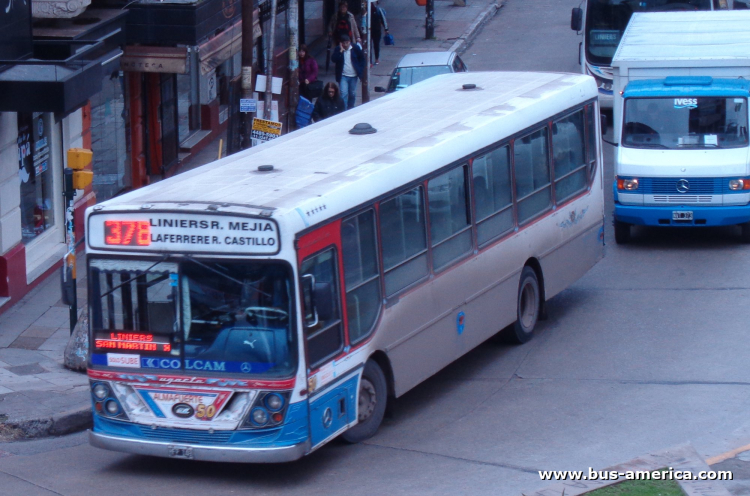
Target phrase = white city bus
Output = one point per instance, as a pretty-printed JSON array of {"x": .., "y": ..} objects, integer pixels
[
  {"x": 602, "y": 22},
  {"x": 256, "y": 308}
]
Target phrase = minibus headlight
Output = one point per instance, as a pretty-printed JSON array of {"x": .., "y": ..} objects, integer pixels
[
  {"x": 739, "y": 184},
  {"x": 627, "y": 184},
  {"x": 112, "y": 407}
]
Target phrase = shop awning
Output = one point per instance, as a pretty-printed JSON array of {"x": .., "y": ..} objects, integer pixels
[{"x": 69, "y": 61}]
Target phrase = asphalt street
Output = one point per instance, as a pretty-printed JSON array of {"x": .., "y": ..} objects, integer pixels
[{"x": 647, "y": 351}]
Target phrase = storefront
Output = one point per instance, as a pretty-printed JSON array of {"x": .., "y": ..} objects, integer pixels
[{"x": 44, "y": 111}]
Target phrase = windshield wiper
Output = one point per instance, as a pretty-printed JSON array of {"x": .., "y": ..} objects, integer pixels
[
  {"x": 136, "y": 277},
  {"x": 648, "y": 145}
]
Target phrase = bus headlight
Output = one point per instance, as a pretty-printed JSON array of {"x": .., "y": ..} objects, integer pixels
[
  {"x": 627, "y": 184},
  {"x": 739, "y": 184},
  {"x": 268, "y": 410},
  {"x": 100, "y": 391}
]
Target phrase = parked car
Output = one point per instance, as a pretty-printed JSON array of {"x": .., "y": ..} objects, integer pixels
[{"x": 416, "y": 67}]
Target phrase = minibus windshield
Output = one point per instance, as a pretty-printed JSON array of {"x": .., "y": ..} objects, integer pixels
[
  {"x": 685, "y": 123},
  {"x": 193, "y": 316},
  {"x": 606, "y": 20}
]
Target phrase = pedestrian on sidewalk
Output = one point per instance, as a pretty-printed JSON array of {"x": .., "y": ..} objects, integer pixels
[
  {"x": 350, "y": 64},
  {"x": 330, "y": 103},
  {"x": 378, "y": 20},
  {"x": 343, "y": 23},
  {"x": 309, "y": 86}
]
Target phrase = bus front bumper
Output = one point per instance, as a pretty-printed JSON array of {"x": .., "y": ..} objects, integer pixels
[
  {"x": 199, "y": 452},
  {"x": 663, "y": 216}
]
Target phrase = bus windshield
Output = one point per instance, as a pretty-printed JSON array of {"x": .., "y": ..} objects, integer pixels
[
  {"x": 193, "y": 316},
  {"x": 677, "y": 123},
  {"x": 606, "y": 20}
]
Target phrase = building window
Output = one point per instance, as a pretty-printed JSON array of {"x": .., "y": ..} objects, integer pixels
[
  {"x": 36, "y": 175},
  {"x": 111, "y": 163}
]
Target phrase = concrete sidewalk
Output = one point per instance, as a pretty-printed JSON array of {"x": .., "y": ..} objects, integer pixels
[{"x": 38, "y": 396}]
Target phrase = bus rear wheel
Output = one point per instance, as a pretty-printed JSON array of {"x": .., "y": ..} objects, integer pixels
[
  {"x": 527, "y": 308},
  {"x": 371, "y": 401},
  {"x": 622, "y": 232}
]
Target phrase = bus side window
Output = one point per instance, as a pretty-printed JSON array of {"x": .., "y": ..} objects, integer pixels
[
  {"x": 493, "y": 201},
  {"x": 591, "y": 138},
  {"x": 531, "y": 163},
  {"x": 403, "y": 233},
  {"x": 568, "y": 149},
  {"x": 361, "y": 274},
  {"x": 324, "y": 339},
  {"x": 449, "y": 217}
]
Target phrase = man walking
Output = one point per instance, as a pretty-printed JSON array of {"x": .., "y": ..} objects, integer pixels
[{"x": 350, "y": 64}]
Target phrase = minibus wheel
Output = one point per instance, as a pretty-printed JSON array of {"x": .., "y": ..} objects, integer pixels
[
  {"x": 527, "y": 308},
  {"x": 371, "y": 400},
  {"x": 622, "y": 232}
]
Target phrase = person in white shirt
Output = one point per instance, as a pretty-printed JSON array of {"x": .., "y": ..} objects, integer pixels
[{"x": 350, "y": 64}]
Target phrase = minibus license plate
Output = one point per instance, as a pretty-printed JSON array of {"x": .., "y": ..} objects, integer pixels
[
  {"x": 682, "y": 215},
  {"x": 181, "y": 452}
]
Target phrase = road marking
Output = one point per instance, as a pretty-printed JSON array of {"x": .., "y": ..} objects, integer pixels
[{"x": 729, "y": 454}]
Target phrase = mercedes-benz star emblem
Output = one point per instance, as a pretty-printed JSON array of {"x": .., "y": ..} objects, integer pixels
[
  {"x": 246, "y": 368},
  {"x": 327, "y": 418},
  {"x": 683, "y": 186}
]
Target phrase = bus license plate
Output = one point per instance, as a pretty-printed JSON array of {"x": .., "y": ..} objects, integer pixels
[
  {"x": 181, "y": 452},
  {"x": 682, "y": 215}
]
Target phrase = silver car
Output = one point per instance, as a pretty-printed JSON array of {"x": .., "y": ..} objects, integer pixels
[{"x": 416, "y": 67}]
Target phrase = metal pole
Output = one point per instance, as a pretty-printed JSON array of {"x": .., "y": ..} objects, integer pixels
[
  {"x": 429, "y": 25},
  {"x": 366, "y": 75},
  {"x": 293, "y": 23},
  {"x": 269, "y": 64},
  {"x": 248, "y": 46}
]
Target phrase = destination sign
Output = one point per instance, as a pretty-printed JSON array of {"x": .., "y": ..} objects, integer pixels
[{"x": 183, "y": 232}]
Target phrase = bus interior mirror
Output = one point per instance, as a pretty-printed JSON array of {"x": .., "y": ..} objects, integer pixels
[
  {"x": 379, "y": 89},
  {"x": 604, "y": 123},
  {"x": 324, "y": 304},
  {"x": 576, "y": 19},
  {"x": 308, "y": 300}
]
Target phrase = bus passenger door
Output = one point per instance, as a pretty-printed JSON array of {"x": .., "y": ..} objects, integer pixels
[{"x": 332, "y": 399}]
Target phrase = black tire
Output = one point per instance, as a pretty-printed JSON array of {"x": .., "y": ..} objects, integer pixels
[
  {"x": 527, "y": 307},
  {"x": 745, "y": 234},
  {"x": 372, "y": 388},
  {"x": 622, "y": 232}
]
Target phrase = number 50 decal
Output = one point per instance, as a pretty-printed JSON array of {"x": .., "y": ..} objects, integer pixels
[{"x": 205, "y": 412}]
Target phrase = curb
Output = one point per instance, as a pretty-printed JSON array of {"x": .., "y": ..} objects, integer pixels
[
  {"x": 58, "y": 425},
  {"x": 468, "y": 35}
]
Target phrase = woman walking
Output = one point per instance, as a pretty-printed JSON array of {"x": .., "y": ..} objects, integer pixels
[
  {"x": 378, "y": 20},
  {"x": 330, "y": 103},
  {"x": 308, "y": 73}
]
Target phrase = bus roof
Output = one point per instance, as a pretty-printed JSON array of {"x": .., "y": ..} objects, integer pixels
[
  {"x": 419, "y": 129},
  {"x": 655, "y": 36}
]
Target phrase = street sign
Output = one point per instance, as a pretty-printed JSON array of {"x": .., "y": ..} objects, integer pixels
[
  {"x": 248, "y": 105},
  {"x": 264, "y": 130}
]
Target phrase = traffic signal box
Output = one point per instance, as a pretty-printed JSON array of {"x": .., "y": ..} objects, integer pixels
[{"x": 78, "y": 159}]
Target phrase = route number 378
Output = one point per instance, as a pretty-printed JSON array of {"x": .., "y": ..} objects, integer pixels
[{"x": 205, "y": 412}]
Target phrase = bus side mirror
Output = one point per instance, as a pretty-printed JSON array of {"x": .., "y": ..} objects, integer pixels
[
  {"x": 379, "y": 89},
  {"x": 604, "y": 123},
  {"x": 308, "y": 300},
  {"x": 576, "y": 19}
]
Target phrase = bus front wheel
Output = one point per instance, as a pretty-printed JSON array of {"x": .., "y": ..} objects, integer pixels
[
  {"x": 371, "y": 401},
  {"x": 622, "y": 232},
  {"x": 527, "y": 309}
]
